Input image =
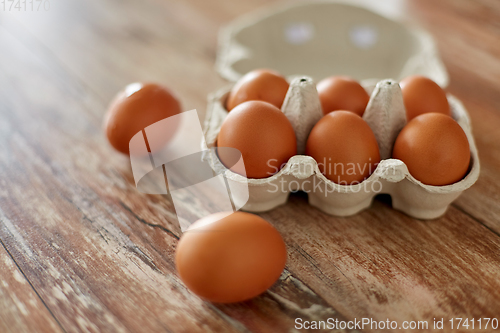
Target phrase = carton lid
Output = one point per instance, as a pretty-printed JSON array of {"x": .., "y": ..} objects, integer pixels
[{"x": 320, "y": 39}]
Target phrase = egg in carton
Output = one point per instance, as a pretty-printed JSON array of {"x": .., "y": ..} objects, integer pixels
[{"x": 386, "y": 116}]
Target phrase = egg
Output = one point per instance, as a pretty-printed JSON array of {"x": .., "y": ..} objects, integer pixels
[
  {"x": 230, "y": 258},
  {"x": 259, "y": 85},
  {"x": 342, "y": 93},
  {"x": 422, "y": 95},
  {"x": 434, "y": 148},
  {"x": 263, "y": 135},
  {"x": 344, "y": 146},
  {"x": 136, "y": 107}
]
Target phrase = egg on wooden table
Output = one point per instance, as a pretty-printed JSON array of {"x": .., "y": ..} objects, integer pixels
[
  {"x": 434, "y": 148},
  {"x": 230, "y": 257},
  {"x": 264, "y": 136},
  {"x": 258, "y": 85},
  {"x": 135, "y": 108},
  {"x": 422, "y": 95}
]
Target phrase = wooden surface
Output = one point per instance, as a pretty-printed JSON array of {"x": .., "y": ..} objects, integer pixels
[{"x": 83, "y": 251}]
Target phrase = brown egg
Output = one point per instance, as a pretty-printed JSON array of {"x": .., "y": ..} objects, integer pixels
[
  {"x": 342, "y": 93},
  {"x": 259, "y": 85},
  {"x": 226, "y": 259},
  {"x": 422, "y": 95},
  {"x": 263, "y": 135},
  {"x": 434, "y": 148},
  {"x": 136, "y": 107},
  {"x": 344, "y": 146}
]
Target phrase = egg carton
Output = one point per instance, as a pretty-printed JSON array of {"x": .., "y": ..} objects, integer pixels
[
  {"x": 324, "y": 38},
  {"x": 386, "y": 116}
]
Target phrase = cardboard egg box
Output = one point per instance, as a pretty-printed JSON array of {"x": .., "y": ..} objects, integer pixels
[
  {"x": 324, "y": 38},
  {"x": 386, "y": 116},
  {"x": 320, "y": 39}
]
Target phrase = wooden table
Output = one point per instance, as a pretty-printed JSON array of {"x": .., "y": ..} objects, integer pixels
[{"x": 83, "y": 250}]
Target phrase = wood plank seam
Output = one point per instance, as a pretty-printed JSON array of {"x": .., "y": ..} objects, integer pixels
[
  {"x": 32, "y": 287},
  {"x": 462, "y": 210},
  {"x": 148, "y": 223}
]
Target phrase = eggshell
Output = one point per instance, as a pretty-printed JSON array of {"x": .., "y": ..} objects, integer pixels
[
  {"x": 263, "y": 135},
  {"x": 422, "y": 95},
  {"x": 258, "y": 85},
  {"x": 230, "y": 258},
  {"x": 342, "y": 93},
  {"x": 344, "y": 146},
  {"x": 434, "y": 148},
  {"x": 136, "y": 107}
]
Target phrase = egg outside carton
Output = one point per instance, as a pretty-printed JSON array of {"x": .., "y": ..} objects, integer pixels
[{"x": 386, "y": 116}]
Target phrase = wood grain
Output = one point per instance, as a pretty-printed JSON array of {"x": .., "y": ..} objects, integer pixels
[
  {"x": 20, "y": 305},
  {"x": 83, "y": 251}
]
